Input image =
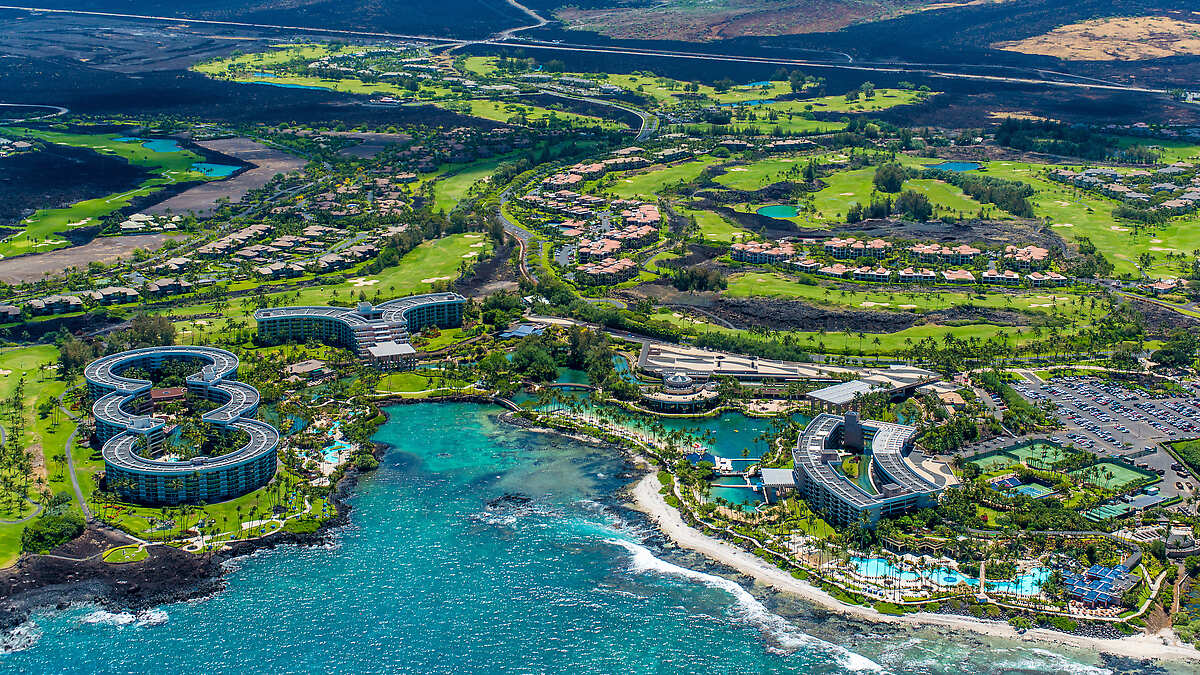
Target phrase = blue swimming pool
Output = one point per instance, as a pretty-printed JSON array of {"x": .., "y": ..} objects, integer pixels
[
  {"x": 1027, "y": 584},
  {"x": 881, "y": 568}
]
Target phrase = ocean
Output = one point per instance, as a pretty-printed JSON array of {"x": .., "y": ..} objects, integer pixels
[{"x": 437, "y": 573}]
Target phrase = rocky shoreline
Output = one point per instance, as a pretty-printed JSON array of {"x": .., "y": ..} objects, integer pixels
[{"x": 74, "y": 573}]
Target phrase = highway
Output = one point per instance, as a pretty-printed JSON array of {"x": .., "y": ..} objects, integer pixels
[{"x": 504, "y": 39}]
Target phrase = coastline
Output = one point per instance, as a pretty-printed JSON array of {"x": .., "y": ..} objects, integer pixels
[
  {"x": 647, "y": 499},
  {"x": 40, "y": 582}
]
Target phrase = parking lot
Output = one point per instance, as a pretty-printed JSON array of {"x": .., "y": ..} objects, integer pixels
[{"x": 1112, "y": 421}]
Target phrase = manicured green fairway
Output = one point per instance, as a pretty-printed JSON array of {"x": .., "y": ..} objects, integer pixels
[
  {"x": 41, "y": 227},
  {"x": 714, "y": 227},
  {"x": 846, "y": 188},
  {"x": 922, "y": 299},
  {"x": 647, "y": 184},
  {"x": 1074, "y": 213},
  {"x": 504, "y": 111},
  {"x": 450, "y": 190}
]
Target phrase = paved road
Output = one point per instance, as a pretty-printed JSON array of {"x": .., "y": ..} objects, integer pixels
[
  {"x": 649, "y": 121},
  {"x": 87, "y": 513},
  {"x": 523, "y": 236},
  {"x": 58, "y": 110}
]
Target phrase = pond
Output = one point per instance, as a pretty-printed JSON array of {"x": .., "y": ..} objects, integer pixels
[
  {"x": 753, "y": 101},
  {"x": 779, "y": 211},
  {"x": 289, "y": 85},
  {"x": 215, "y": 170},
  {"x": 956, "y": 166},
  {"x": 155, "y": 144},
  {"x": 735, "y": 491}
]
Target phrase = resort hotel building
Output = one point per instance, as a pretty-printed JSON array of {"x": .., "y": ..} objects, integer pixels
[
  {"x": 133, "y": 441},
  {"x": 887, "y": 485},
  {"x": 378, "y": 334}
]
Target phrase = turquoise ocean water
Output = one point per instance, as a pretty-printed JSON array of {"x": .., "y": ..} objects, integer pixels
[{"x": 430, "y": 578}]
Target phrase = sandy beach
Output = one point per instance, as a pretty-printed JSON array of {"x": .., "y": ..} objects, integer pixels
[{"x": 648, "y": 500}]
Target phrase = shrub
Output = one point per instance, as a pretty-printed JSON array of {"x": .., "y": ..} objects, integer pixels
[{"x": 51, "y": 530}]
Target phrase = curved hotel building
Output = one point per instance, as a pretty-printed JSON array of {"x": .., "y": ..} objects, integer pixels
[
  {"x": 887, "y": 485},
  {"x": 376, "y": 333},
  {"x": 132, "y": 439}
]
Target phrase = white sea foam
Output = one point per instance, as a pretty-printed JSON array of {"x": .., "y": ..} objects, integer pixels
[
  {"x": 107, "y": 618},
  {"x": 20, "y": 638},
  {"x": 751, "y": 610},
  {"x": 152, "y": 617}
]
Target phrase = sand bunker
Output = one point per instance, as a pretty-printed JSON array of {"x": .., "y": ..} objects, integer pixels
[
  {"x": 359, "y": 282},
  {"x": 846, "y": 194},
  {"x": 431, "y": 280},
  {"x": 907, "y": 306},
  {"x": 4, "y": 372},
  {"x": 738, "y": 168},
  {"x": 1161, "y": 248},
  {"x": 1063, "y": 225},
  {"x": 874, "y": 304},
  {"x": 1118, "y": 228},
  {"x": 472, "y": 254},
  {"x": 477, "y": 244}
]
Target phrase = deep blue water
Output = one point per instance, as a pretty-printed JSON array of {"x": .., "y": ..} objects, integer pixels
[{"x": 427, "y": 578}]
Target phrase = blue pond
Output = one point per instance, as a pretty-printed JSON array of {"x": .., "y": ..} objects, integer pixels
[
  {"x": 956, "y": 166},
  {"x": 155, "y": 144},
  {"x": 264, "y": 74},
  {"x": 753, "y": 101},
  {"x": 215, "y": 170},
  {"x": 289, "y": 85},
  {"x": 755, "y": 85},
  {"x": 780, "y": 211}
]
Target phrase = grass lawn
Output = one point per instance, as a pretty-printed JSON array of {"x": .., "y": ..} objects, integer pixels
[
  {"x": 920, "y": 300},
  {"x": 125, "y": 554},
  {"x": 503, "y": 111},
  {"x": 449, "y": 190},
  {"x": 483, "y": 66},
  {"x": 411, "y": 381},
  {"x": 39, "y": 229},
  {"x": 846, "y": 188},
  {"x": 1074, "y": 213},
  {"x": 276, "y": 68},
  {"x": 647, "y": 184},
  {"x": 764, "y": 172},
  {"x": 714, "y": 226},
  {"x": 663, "y": 89}
]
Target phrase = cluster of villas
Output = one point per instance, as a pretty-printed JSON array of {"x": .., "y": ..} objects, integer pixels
[
  {"x": 1030, "y": 259},
  {"x": 599, "y": 231},
  {"x": 293, "y": 255},
  {"x": 1174, "y": 189},
  {"x": 625, "y": 159}
]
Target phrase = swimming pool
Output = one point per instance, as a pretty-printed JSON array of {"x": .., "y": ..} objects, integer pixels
[
  {"x": 1027, "y": 584},
  {"x": 881, "y": 568}
]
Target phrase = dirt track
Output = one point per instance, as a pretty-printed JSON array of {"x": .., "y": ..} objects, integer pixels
[
  {"x": 266, "y": 163},
  {"x": 103, "y": 249}
]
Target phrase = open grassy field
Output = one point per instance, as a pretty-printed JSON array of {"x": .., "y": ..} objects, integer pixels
[
  {"x": 846, "y": 188},
  {"x": 43, "y": 437},
  {"x": 889, "y": 343},
  {"x": 647, "y": 184},
  {"x": 663, "y": 89},
  {"x": 504, "y": 111},
  {"x": 39, "y": 229},
  {"x": 483, "y": 66},
  {"x": 714, "y": 227},
  {"x": 448, "y": 191},
  {"x": 1058, "y": 302},
  {"x": 431, "y": 262},
  {"x": 275, "y": 67}
]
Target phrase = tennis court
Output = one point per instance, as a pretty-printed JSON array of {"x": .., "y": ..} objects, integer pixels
[
  {"x": 1038, "y": 454},
  {"x": 993, "y": 461},
  {"x": 1034, "y": 491},
  {"x": 1110, "y": 475}
]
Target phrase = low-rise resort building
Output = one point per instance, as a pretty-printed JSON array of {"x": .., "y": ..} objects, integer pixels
[
  {"x": 133, "y": 441},
  {"x": 378, "y": 334},
  {"x": 680, "y": 393},
  {"x": 886, "y": 484}
]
